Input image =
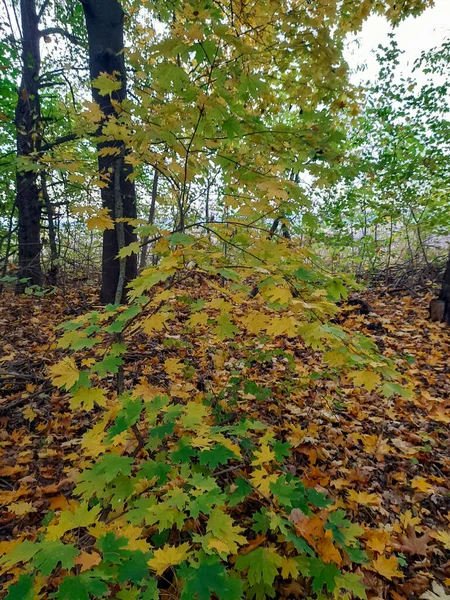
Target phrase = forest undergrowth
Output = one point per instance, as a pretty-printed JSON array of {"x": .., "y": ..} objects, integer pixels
[{"x": 385, "y": 461}]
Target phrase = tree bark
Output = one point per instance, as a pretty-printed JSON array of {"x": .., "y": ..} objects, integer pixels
[
  {"x": 151, "y": 219},
  {"x": 104, "y": 23},
  {"x": 444, "y": 295},
  {"x": 28, "y": 126}
]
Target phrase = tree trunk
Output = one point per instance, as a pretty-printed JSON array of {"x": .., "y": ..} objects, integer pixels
[
  {"x": 28, "y": 126},
  {"x": 104, "y": 23},
  {"x": 151, "y": 219},
  {"x": 444, "y": 295}
]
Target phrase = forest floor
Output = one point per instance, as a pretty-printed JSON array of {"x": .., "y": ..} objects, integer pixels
[{"x": 384, "y": 460}]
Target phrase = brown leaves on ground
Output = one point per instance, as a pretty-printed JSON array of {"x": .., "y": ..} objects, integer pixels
[{"x": 386, "y": 460}]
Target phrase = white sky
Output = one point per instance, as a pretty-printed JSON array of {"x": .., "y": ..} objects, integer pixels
[{"x": 413, "y": 35}]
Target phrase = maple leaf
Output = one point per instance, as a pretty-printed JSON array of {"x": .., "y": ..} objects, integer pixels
[
  {"x": 209, "y": 579},
  {"x": 364, "y": 498},
  {"x": 168, "y": 556},
  {"x": 255, "y": 322},
  {"x": 107, "y": 83},
  {"x": 387, "y": 567},
  {"x": 352, "y": 583},
  {"x": 225, "y": 328},
  {"x": 377, "y": 540},
  {"x": 86, "y": 560},
  {"x": 443, "y": 537},
  {"x": 277, "y": 294},
  {"x": 21, "y": 508},
  {"x": 100, "y": 221},
  {"x": 52, "y": 553},
  {"x": 80, "y": 517},
  {"x": 221, "y": 526},
  {"x": 411, "y": 544},
  {"x": 263, "y": 456},
  {"x": 65, "y": 373},
  {"x": 262, "y": 565},
  {"x": 422, "y": 485},
  {"x": 368, "y": 379},
  {"x": 437, "y": 593},
  {"x": 173, "y": 366},
  {"x": 132, "y": 248},
  {"x": 155, "y": 323},
  {"x": 86, "y": 398}
]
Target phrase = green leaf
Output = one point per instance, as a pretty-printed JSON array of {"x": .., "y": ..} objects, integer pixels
[
  {"x": 262, "y": 565},
  {"x": 281, "y": 450},
  {"x": 336, "y": 289},
  {"x": 50, "y": 554},
  {"x": 215, "y": 456},
  {"x": 22, "y": 552},
  {"x": 132, "y": 248},
  {"x": 79, "y": 587},
  {"x": 225, "y": 328},
  {"x": 152, "y": 468},
  {"x": 208, "y": 579},
  {"x": 22, "y": 590},
  {"x": 323, "y": 575},
  {"x": 109, "y": 364},
  {"x": 184, "y": 239},
  {"x": 352, "y": 583},
  {"x": 389, "y": 389},
  {"x": 113, "y": 548}
]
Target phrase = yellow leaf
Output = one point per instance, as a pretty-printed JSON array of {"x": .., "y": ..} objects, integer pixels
[
  {"x": 255, "y": 322},
  {"x": 85, "y": 398},
  {"x": 168, "y": 557},
  {"x": 21, "y": 508},
  {"x": 29, "y": 414},
  {"x": 100, "y": 221},
  {"x": 262, "y": 480},
  {"x": 387, "y": 567},
  {"x": 69, "y": 337},
  {"x": 65, "y": 373},
  {"x": 327, "y": 550},
  {"x": 364, "y": 498},
  {"x": 443, "y": 537},
  {"x": 265, "y": 455},
  {"x": 93, "y": 112},
  {"x": 421, "y": 484},
  {"x": 107, "y": 83},
  {"x": 277, "y": 293},
  {"x": 155, "y": 322},
  {"x": 128, "y": 250},
  {"x": 198, "y": 319},
  {"x": 281, "y": 325},
  {"x": 377, "y": 540},
  {"x": 173, "y": 366},
  {"x": 368, "y": 379},
  {"x": 289, "y": 568},
  {"x": 80, "y": 517}
]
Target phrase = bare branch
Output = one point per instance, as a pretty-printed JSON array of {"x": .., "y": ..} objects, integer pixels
[{"x": 60, "y": 31}]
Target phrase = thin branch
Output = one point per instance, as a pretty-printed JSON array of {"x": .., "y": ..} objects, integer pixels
[
  {"x": 42, "y": 9},
  {"x": 60, "y": 31}
]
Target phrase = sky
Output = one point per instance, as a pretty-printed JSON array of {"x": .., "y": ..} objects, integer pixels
[{"x": 413, "y": 36}]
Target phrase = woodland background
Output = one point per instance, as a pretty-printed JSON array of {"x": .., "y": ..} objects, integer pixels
[{"x": 225, "y": 300}]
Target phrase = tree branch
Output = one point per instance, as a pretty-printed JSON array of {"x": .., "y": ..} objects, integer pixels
[
  {"x": 42, "y": 9},
  {"x": 61, "y": 140},
  {"x": 60, "y": 31}
]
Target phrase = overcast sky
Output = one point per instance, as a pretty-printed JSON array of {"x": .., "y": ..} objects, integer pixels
[{"x": 413, "y": 35}]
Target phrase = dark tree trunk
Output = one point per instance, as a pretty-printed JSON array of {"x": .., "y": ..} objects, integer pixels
[
  {"x": 151, "y": 219},
  {"x": 27, "y": 120},
  {"x": 104, "y": 23},
  {"x": 444, "y": 295}
]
